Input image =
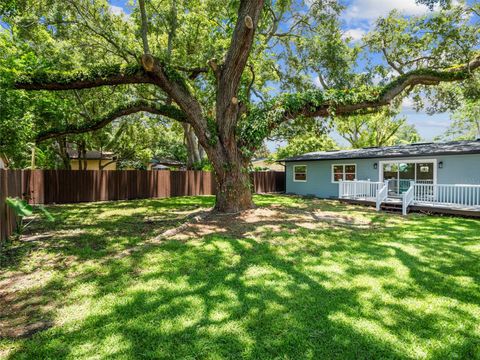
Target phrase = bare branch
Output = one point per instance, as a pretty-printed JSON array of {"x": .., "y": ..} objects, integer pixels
[
  {"x": 390, "y": 62},
  {"x": 322, "y": 80},
  {"x": 252, "y": 82},
  {"x": 193, "y": 72},
  {"x": 169, "y": 111}
]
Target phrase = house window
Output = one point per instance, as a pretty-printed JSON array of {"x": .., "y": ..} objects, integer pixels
[
  {"x": 300, "y": 173},
  {"x": 344, "y": 172}
]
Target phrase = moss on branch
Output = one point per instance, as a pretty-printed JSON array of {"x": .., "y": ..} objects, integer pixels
[{"x": 85, "y": 78}]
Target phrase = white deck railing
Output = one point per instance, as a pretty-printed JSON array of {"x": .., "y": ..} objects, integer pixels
[
  {"x": 449, "y": 195},
  {"x": 382, "y": 195},
  {"x": 422, "y": 193},
  {"x": 407, "y": 198},
  {"x": 359, "y": 189},
  {"x": 397, "y": 187}
]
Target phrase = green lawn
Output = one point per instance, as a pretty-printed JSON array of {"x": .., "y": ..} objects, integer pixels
[{"x": 293, "y": 279}]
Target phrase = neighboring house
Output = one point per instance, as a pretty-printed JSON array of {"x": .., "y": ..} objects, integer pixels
[
  {"x": 428, "y": 173},
  {"x": 95, "y": 160},
  {"x": 165, "y": 164},
  {"x": 3, "y": 164},
  {"x": 264, "y": 164}
]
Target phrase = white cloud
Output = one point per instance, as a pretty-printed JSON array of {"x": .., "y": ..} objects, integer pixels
[
  {"x": 442, "y": 124},
  {"x": 355, "y": 34},
  {"x": 408, "y": 104},
  {"x": 370, "y": 10},
  {"x": 116, "y": 10}
]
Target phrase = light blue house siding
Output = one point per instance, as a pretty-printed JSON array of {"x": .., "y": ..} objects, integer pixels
[{"x": 456, "y": 169}]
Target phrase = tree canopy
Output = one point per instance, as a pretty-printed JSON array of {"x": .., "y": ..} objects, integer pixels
[{"x": 234, "y": 72}]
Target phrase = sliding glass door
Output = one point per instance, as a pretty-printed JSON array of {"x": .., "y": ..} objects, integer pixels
[
  {"x": 425, "y": 173},
  {"x": 401, "y": 173}
]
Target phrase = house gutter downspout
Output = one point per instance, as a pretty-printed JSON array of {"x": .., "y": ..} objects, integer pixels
[{"x": 284, "y": 174}]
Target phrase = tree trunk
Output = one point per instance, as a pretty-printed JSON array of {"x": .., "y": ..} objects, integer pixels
[
  {"x": 201, "y": 152},
  {"x": 234, "y": 192},
  {"x": 193, "y": 155},
  {"x": 82, "y": 155},
  {"x": 32, "y": 165},
  {"x": 79, "y": 157},
  {"x": 62, "y": 151}
]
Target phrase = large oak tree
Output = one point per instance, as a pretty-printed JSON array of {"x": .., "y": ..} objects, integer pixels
[{"x": 216, "y": 97}]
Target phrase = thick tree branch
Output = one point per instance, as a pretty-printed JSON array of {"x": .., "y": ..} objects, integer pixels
[
  {"x": 242, "y": 39},
  {"x": 99, "y": 76},
  {"x": 230, "y": 73},
  {"x": 144, "y": 27},
  {"x": 174, "y": 86},
  {"x": 172, "y": 28},
  {"x": 169, "y": 111},
  {"x": 381, "y": 97}
]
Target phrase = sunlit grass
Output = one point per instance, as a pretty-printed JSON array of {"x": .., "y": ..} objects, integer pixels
[{"x": 320, "y": 281}]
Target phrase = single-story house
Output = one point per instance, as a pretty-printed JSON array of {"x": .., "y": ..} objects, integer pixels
[
  {"x": 3, "y": 163},
  {"x": 264, "y": 164},
  {"x": 165, "y": 164},
  {"x": 446, "y": 173},
  {"x": 95, "y": 160}
]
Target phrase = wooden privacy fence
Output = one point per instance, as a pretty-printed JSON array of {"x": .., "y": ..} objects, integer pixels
[
  {"x": 70, "y": 186},
  {"x": 265, "y": 182},
  {"x": 11, "y": 185}
]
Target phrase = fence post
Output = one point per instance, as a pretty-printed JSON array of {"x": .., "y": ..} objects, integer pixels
[
  {"x": 340, "y": 189},
  {"x": 3, "y": 208}
]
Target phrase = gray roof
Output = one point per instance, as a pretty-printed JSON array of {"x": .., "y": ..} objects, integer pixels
[
  {"x": 166, "y": 162},
  {"x": 92, "y": 155},
  {"x": 398, "y": 151},
  {"x": 160, "y": 167}
]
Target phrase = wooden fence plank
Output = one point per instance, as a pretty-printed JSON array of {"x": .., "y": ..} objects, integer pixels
[{"x": 11, "y": 185}]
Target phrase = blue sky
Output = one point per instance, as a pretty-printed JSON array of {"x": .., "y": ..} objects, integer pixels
[{"x": 357, "y": 19}]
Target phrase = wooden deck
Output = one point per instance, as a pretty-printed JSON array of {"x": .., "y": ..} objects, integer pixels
[{"x": 447, "y": 209}]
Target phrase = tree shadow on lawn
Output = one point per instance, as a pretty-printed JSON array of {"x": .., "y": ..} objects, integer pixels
[
  {"x": 272, "y": 288},
  {"x": 93, "y": 230},
  {"x": 34, "y": 270}
]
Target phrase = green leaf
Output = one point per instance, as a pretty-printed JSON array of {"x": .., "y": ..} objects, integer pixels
[
  {"x": 19, "y": 206},
  {"x": 46, "y": 213}
]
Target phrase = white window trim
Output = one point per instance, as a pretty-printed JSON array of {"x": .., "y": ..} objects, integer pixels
[
  {"x": 306, "y": 173},
  {"x": 333, "y": 174},
  {"x": 413, "y": 161}
]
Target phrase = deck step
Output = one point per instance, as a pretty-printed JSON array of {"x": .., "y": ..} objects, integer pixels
[{"x": 391, "y": 207}]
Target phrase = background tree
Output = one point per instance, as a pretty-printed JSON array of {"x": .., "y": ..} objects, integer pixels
[
  {"x": 262, "y": 152},
  {"x": 216, "y": 101},
  {"x": 381, "y": 129},
  {"x": 466, "y": 123},
  {"x": 407, "y": 134},
  {"x": 306, "y": 143}
]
